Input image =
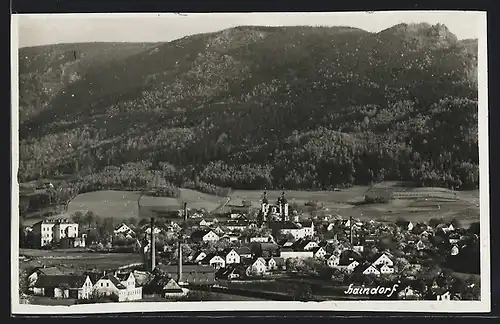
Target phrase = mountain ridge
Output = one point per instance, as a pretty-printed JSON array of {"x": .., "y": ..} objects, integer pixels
[{"x": 198, "y": 102}]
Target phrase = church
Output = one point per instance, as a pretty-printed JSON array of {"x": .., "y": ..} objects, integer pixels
[{"x": 277, "y": 212}]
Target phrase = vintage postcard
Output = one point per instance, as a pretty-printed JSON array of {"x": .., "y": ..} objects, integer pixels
[{"x": 217, "y": 162}]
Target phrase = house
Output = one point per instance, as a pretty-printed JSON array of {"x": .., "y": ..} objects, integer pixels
[
  {"x": 49, "y": 231},
  {"x": 244, "y": 252},
  {"x": 349, "y": 260},
  {"x": 37, "y": 272},
  {"x": 230, "y": 256},
  {"x": 232, "y": 271},
  {"x": 63, "y": 286},
  {"x": 220, "y": 231},
  {"x": 443, "y": 296},
  {"x": 386, "y": 269},
  {"x": 231, "y": 237},
  {"x": 308, "y": 228},
  {"x": 286, "y": 243},
  {"x": 294, "y": 229},
  {"x": 205, "y": 223},
  {"x": 123, "y": 229},
  {"x": 318, "y": 252},
  {"x": 147, "y": 229},
  {"x": 275, "y": 263},
  {"x": 237, "y": 225},
  {"x": 383, "y": 259},
  {"x": 420, "y": 245},
  {"x": 358, "y": 248},
  {"x": 126, "y": 290},
  {"x": 408, "y": 293},
  {"x": 172, "y": 289},
  {"x": 304, "y": 245},
  {"x": 256, "y": 266},
  {"x": 333, "y": 260},
  {"x": 198, "y": 256},
  {"x": 214, "y": 260},
  {"x": 368, "y": 269},
  {"x": 205, "y": 235},
  {"x": 262, "y": 239},
  {"x": 73, "y": 242}
]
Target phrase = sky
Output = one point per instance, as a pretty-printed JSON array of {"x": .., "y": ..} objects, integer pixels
[{"x": 47, "y": 29}]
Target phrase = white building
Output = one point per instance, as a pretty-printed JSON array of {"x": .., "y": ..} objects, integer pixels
[
  {"x": 51, "y": 231},
  {"x": 215, "y": 261},
  {"x": 231, "y": 256},
  {"x": 257, "y": 267},
  {"x": 205, "y": 235},
  {"x": 126, "y": 290}
]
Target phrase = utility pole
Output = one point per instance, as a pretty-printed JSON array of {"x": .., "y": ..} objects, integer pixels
[
  {"x": 180, "y": 244},
  {"x": 350, "y": 230}
]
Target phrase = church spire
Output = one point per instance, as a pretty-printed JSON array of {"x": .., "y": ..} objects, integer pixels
[{"x": 264, "y": 198}]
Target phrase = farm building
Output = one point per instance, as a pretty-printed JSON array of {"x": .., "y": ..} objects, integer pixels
[
  {"x": 37, "y": 272},
  {"x": 63, "y": 286}
]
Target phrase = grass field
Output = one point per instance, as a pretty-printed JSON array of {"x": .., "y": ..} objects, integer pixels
[
  {"x": 76, "y": 260},
  {"x": 328, "y": 198},
  {"x": 107, "y": 203},
  {"x": 418, "y": 206}
]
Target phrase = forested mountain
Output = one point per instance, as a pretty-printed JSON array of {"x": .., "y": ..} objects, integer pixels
[{"x": 255, "y": 107}]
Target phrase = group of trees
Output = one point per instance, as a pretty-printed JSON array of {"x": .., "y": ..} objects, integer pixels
[{"x": 340, "y": 107}]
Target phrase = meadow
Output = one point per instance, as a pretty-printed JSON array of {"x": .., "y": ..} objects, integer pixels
[
  {"x": 77, "y": 260},
  {"x": 414, "y": 204}
]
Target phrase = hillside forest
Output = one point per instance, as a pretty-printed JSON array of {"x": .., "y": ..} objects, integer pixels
[{"x": 252, "y": 108}]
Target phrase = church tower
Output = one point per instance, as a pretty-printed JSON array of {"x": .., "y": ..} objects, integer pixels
[
  {"x": 264, "y": 206},
  {"x": 283, "y": 207}
]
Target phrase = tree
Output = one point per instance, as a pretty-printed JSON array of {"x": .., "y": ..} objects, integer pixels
[
  {"x": 456, "y": 223},
  {"x": 143, "y": 221},
  {"x": 474, "y": 228},
  {"x": 90, "y": 218},
  {"x": 132, "y": 221},
  {"x": 401, "y": 265},
  {"x": 434, "y": 222},
  {"x": 78, "y": 217}
]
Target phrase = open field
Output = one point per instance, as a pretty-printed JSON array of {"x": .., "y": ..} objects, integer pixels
[
  {"x": 301, "y": 197},
  {"x": 77, "y": 260},
  {"x": 422, "y": 204},
  {"x": 198, "y": 200},
  {"x": 107, "y": 203}
]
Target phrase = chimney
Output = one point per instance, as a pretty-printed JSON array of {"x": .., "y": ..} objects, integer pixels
[
  {"x": 283, "y": 206},
  {"x": 350, "y": 230},
  {"x": 179, "y": 264},
  {"x": 185, "y": 212},
  {"x": 153, "y": 252}
]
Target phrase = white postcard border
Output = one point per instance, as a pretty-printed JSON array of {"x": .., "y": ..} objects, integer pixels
[{"x": 482, "y": 306}]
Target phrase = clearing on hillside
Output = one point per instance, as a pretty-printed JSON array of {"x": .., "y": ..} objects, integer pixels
[
  {"x": 107, "y": 203},
  {"x": 199, "y": 200}
]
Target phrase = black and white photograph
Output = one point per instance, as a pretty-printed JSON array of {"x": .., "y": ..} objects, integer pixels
[{"x": 250, "y": 161}]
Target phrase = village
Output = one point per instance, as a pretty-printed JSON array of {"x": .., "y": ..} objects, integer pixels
[{"x": 274, "y": 253}]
